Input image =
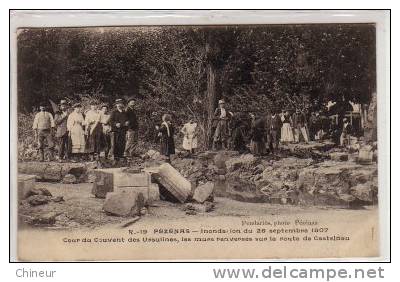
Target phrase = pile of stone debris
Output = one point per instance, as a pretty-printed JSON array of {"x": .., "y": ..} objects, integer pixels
[{"x": 329, "y": 176}]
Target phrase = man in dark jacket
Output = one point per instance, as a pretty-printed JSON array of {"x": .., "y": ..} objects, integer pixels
[
  {"x": 60, "y": 120},
  {"x": 221, "y": 120},
  {"x": 273, "y": 124},
  {"x": 132, "y": 126},
  {"x": 118, "y": 121},
  {"x": 300, "y": 127}
]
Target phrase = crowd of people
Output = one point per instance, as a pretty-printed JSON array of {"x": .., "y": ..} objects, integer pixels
[
  {"x": 86, "y": 135},
  {"x": 268, "y": 131},
  {"x": 114, "y": 132}
]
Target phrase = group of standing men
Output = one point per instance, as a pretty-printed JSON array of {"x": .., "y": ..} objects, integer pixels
[{"x": 80, "y": 134}]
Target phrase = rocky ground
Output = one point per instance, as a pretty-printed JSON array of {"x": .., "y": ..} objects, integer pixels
[{"x": 298, "y": 179}]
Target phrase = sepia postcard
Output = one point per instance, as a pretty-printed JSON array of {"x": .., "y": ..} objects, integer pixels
[{"x": 199, "y": 135}]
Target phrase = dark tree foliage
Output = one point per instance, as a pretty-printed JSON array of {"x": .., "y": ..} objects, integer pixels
[{"x": 168, "y": 68}]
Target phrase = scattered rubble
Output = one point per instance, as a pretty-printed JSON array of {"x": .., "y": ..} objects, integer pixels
[
  {"x": 37, "y": 200},
  {"x": 44, "y": 219},
  {"x": 299, "y": 174},
  {"x": 194, "y": 208}
]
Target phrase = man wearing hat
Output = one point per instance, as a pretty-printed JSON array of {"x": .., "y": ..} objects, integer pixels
[
  {"x": 221, "y": 134},
  {"x": 345, "y": 136},
  {"x": 273, "y": 125},
  {"x": 300, "y": 126},
  {"x": 118, "y": 119},
  {"x": 42, "y": 126},
  {"x": 60, "y": 119},
  {"x": 132, "y": 126}
]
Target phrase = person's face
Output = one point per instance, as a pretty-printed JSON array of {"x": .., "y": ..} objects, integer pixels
[
  {"x": 104, "y": 109},
  {"x": 120, "y": 106},
  {"x": 93, "y": 107},
  {"x": 77, "y": 109},
  {"x": 63, "y": 107},
  {"x": 131, "y": 104},
  {"x": 41, "y": 108}
]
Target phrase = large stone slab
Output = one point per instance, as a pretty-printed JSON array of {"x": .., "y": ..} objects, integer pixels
[
  {"x": 125, "y": 178},
  {"x": 203, "y": 192},
  {"x": 177, "y": 185},
  {"x": 124, "y": 203},
  {"x": 150, "y": 193}
]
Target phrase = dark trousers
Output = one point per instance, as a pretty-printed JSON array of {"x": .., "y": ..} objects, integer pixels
[
  {"x": 118, "y": 140},
  {"x": 273, "y": 139},
  {"x": 63, "y": 146}
]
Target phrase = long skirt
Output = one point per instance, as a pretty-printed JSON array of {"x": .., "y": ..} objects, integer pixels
[
  {"x": 287, "y": 133},
  {"x": 95, "y": 140},
  {"x": 167, "y": 146},
  {"x": 77, "y": 139},
  {"x": 189, "y": 142},
  {"x": 257, "y": 147}
]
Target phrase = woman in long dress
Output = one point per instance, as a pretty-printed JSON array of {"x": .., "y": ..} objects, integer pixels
[
  {"x": 257, "y": 132},
  {"x": 189, "y": 131},
  {"x": 75, "y": 123},
  {"x": 166, "y": 134},
  {"x": 93, "y": 132},
  {"x": 106, "y": 128},
  {"x": 287, "y": 130}
]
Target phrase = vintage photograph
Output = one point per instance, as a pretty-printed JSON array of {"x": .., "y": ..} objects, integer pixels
[{"x": 169, "y": 142}]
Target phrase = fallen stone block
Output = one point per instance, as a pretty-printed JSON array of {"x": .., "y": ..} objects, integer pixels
[
  {"x": 178, "y": 186},
  {"x": 203, "y": 192},
  {"x": 150, "y": 193},
  {"x": 104, "y": 183},
  {"x": 26, "y": 183},
  {"x": 124, "y": 203},
  {"x": 365, "y": 155},
  {"x": 127, "y": 179}
]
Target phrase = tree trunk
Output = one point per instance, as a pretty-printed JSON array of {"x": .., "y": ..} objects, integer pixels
[{"x": 212, "y": 95}]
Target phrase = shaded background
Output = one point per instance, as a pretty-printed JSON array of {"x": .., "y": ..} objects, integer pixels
[{"x": 185, "y": 70}]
